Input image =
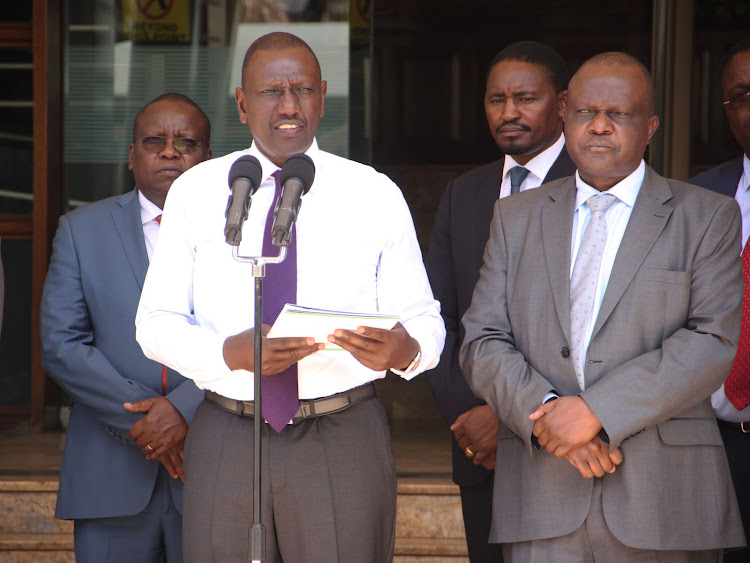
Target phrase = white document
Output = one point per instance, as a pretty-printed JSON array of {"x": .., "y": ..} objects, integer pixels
[{"x": 295, "y": 320}]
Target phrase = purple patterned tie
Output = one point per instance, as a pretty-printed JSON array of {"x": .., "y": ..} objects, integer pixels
[{"x": 280, "y": 395}]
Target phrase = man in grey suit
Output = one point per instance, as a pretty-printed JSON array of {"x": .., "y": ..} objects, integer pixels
[
  {"x": 526, "y": 86},
  {"x": 606, "y": 312},
  {"x": 121, "y": 477}
]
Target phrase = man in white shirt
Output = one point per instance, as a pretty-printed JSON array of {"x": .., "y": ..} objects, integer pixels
[
  {"x": 616, "y": 291},
  {"x": 328, "y": 479},
  {"x": 526, "y": 86},
  {"x": 121, "y": 476},
  {"x": 733, "y": 179}
]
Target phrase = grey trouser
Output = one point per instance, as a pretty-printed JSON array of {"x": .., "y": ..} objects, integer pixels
[{"x": 328, "y": 487}]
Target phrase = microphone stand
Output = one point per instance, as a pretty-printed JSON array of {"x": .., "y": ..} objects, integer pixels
[{"x": 257, "y": 532}]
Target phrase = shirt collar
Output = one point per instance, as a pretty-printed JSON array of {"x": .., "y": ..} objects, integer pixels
[
  {"x": 626, "y": 190},
  {"x": 269, "y": 167},
  {"x": 539, "y": 165},
  {"x": 149, "y": 210}
]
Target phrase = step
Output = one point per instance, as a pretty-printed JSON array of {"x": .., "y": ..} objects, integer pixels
[
  {"x": 429, "y": 508},
  {"x": 430, "y": 550},
  {"x": 36, "y": 542},
  {"x": 429, "y": 524},
  {"x": 28, "y": 506}
]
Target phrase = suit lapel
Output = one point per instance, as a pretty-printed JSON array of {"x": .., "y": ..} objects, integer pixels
[
  {"x": 557, "y": 226},
  {"x": 729, "y": 177},
  {"x": 126, "y": 216},
  {"x": 650, "y": 215}
]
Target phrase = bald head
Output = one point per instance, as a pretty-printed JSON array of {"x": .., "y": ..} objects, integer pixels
[
  {"x": 616, "y": 59},
  {"x": 609, "y": 118}
]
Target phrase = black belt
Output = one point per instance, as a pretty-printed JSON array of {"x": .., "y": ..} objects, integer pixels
[
  {"x": 307, "y": 408},
  {"x": 735, "y": 425}
]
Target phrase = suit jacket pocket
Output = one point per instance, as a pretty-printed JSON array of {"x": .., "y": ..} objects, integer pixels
[
  {"x": 690, "y": 432},
  {"x": 668, "y": 276},
  {"x": 664, "y": 298}
]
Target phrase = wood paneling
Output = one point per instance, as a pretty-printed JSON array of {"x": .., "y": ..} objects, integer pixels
[
  {"x": 47, "y": 180},
  {"x": 16, "y": 227},
  {"x": 15, "y": 35}
]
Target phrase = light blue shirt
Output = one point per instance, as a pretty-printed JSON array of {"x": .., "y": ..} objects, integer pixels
[{"x": 617, "y": 217}]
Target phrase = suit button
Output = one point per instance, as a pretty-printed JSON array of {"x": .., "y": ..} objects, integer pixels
[{"x": 565, "y": 351}]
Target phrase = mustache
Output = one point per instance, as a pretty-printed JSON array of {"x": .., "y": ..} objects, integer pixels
[{"x": 503, "y": 126}]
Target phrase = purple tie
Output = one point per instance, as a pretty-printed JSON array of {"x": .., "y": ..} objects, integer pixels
[{"x": 279, "y": 391}]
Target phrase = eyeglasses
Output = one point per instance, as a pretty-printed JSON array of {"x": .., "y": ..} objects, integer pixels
[
  {"x": 157, "y": 144},
  {"x": 738, "y": 101}
]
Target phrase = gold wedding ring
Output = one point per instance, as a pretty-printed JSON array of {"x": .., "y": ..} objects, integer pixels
[
  {"x": 152, "y": 449},
  {"x": 468, "y": 452}
]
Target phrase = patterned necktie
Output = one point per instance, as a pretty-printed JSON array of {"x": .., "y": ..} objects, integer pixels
[
  {"x": 585, "y": 277},
  {"x": 279, "y": 391},
  {"x": 517, "y": 176},
  {"x": 737, "y": 384}
]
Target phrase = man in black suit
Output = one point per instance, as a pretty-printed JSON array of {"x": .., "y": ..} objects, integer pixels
[
  {"x": 733, "y": 179},
  {"x": 526, "y": 89}
]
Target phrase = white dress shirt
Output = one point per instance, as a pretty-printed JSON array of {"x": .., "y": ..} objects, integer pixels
[
  {"x": 149, "y": 212},
  {"x": 356, "y": 251},
  {"x": 617, "y": 217},
  {"x": 538, "y": 167},
  {"x": 722, "y": 407}
]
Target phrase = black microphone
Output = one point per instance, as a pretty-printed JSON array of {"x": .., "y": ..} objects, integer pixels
[
  {"x": 244, "y": 179},
  {"x": 296, "y": 177}
]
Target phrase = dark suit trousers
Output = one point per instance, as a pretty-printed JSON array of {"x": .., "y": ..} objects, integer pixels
[
  {"x": 328, "y": 487},
  {"x": 476, "y": 505},
  {"x": 154, "y": 535},
  {"x": 737, "y": 445}
]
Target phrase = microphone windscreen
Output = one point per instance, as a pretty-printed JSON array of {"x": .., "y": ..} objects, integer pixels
[
  {"x": 298, "y": 166},
  {"x": 246, "y": 167}
]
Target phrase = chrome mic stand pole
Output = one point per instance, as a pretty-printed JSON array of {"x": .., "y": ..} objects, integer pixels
[{"x": 257, "y": 532}]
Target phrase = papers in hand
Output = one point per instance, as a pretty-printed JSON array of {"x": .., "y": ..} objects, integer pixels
[{"x": 295, "y": 320}]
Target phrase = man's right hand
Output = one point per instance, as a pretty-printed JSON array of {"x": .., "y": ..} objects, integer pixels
[
  {"x": 477, "y": 430},
  {"x": 172, "y": 461},
  {"x": 278, "y": 353}
]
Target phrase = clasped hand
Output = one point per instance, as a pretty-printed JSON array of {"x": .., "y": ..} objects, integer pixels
[
  {"x": 567, "y": 427},
  {"x": 476, "y": 429},
  {"x": 160, "y": 433}
]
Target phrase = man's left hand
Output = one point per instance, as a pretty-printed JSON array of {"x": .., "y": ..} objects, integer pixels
[
  {"x": 160, "y": 430},
  {"x": 565, "y": 424},
  {"x": 376, "y": 348}
]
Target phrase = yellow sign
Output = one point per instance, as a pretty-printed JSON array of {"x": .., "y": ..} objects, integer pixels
[
  {"x": 162, "y": 22},
  {"x": 359, "y": 22}
]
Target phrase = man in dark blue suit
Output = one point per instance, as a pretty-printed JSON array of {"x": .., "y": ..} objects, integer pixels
[
  {"x": 121, "y": 476},
  {"x": 733, "y": 179},
  {"x": 526, "y": 89}
]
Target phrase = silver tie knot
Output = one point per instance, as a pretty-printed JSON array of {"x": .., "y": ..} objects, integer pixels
[{"x": 599, "y": 203}]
